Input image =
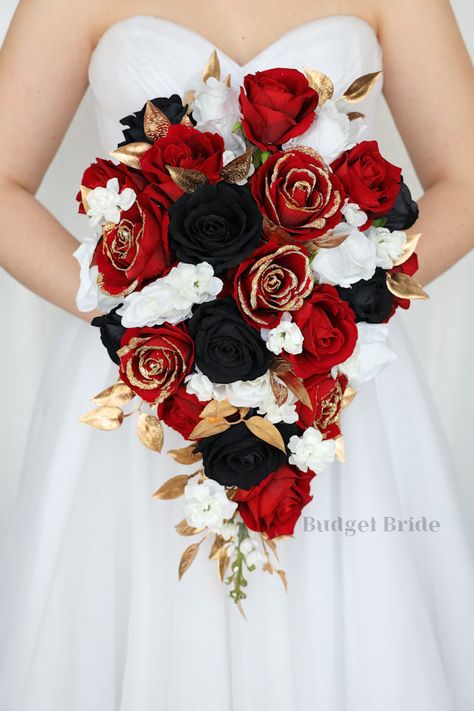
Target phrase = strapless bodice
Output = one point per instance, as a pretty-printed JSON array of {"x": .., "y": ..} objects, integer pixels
[{"x": 142, "y": 57}]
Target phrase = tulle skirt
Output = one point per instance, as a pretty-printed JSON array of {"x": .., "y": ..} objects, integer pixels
[{"x": 93, "y": 617}]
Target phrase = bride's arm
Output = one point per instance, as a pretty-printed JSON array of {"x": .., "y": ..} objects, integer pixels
[
  {"x": 43, "y": 76},
  {"x": 430, "y": 90}
]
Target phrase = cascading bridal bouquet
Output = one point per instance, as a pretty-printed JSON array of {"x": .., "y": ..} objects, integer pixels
[{"x": 248, "y": 251}]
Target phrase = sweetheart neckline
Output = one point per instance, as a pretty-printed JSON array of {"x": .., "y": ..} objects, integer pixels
[{"x": 240, "y": 67}]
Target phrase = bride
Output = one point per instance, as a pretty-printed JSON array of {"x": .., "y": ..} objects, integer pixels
[{"x": 92, "y": 616}]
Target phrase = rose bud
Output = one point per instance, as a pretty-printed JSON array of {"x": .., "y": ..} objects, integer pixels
[
  {"x": 181, "y": 411},
  {"x": 277, "y": 104},
  {"x": 274, "y": 506},
  {"x": 370, "y": 299},
  {"x": 274, "y": 280},
  {"x": 368, "y": 179},
  {"x": 218, "y": 224},
  {"x": 329, "y": 330},
  {"x": 182, "y": 147},
  {"x": 171, "y": 107},
  {"x": 111, "y": 332},
  {"x": 133, "y": 251},
  {"x": 227, "y": 349},
  {"x": 237, "y": 457},
  {"x": 296, "y": 192},
  {"x": 155, "y": 361},
  {"x": 325, "y": 394},
  {"x": 404, "y": 213}
]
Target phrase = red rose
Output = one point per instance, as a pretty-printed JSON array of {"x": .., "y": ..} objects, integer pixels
[
  {"x": 133, "y": 251},
  {"x": 155, "y": 361},
  {"x": 274, "y": 506},
  {"x": 98, "y": 173},
  {"x": 275, "y": 279},
  {"x": 368, "y": 179},
  {"x": 181, "y": 411},
  {"x": 296, "y": 192},
  {"x": 277, "y": 104},
  {"x": 182, "y": 147},
  {"x": 329, "y": 330},
  {"x": 410, "y": 267},
  {"x": 325, "y": 394}
]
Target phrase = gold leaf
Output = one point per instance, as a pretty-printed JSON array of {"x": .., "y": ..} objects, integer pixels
[
  {"x": 283, "y": 579},
  {"x": 361, "y": 87},
  {"x": 207, "y": 428},
  {"x": 184, "y": 529},
  {"x": 297, "y": 388},
  {"x": 150, "y": 432},
  {"x": 228, "y": 81},
  {"x": 188, "y": 98},
  {"x": 266, "y": 431},
  {"x": 238, "y": 169},
  {"x": 327, "y": 241},
  {"x": 155, "y": 123},
  {"x": 353, "y": 115},
  {"x": 116, "y": 395},
  {"x": 186, "y": 121},
  {"x": 223, "y": 563},
  {"x": 187, "y": 558},
  {"x": 216, "y": 547},
  {"x": 340, "y": 449},
  {"x": 348, "y": 396},
  {"x": 279, "y": 390},
  {"x": 241, "y": 609},
  {"x": 186, "y": 455},
  {"x": 275, "y": 232},
  {"x": 212, "y": 68},
  {"x": 84, "y": 195},
  {"x": 408, "y": 249},
  {"x": 271, "y": 544},
  {"x": 131, "y": 153},
  {"x": 187, "y": 179},
  {"x": 267, "y": 566},
  {"x": 172, "y": 488},
  {"x": 321, "y": 83},
  {"x": 218, "y": 408},
  {"x": 405, "y": 287},
  {"x": 103, "y": 418},
  {"x": 278, "y": 365}
]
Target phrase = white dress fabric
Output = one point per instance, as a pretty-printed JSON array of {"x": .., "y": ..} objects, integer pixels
[{"x": 92, "y": 616}]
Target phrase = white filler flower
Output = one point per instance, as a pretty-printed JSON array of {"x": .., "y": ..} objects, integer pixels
[
  {"x": 284, "y": 337},
  {"x": 347, "y": 264},
  {"x": 310, "y": 451},
  {"x": 206, "y": 505},
  {"x": 388, "y": 245},
  {"x": 371, "y": 354},
  {"x": 105, "y": 204},
  {"x": 253, "y": 555},
  {"x": 171, "y": 298},
  {"x": 353, "y": 214}
]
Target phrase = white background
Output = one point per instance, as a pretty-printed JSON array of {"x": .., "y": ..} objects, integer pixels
[{"x": 441, "y": 329}]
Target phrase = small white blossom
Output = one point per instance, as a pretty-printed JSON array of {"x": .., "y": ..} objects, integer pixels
[
  {"x": 106, "y": 204},
  {"x": 89, "y": 296},
  {"x": 353, "y": 214},
  {"x": 284, "y": 337},
  {"x": 279, "y": 413},
  {"x": 371, "y": 354},
  {"x": 347, "y": 264},
  {"x": 206, "y": 505},
  {"x": 253, "y": 555},
  {"x": 331, "y": 132},
  {"x": 199, "y": 384},
  {"x": 310, "y": 451},
  {"x": 388, "y": 245},
  {"x": 171, "y": 297}
]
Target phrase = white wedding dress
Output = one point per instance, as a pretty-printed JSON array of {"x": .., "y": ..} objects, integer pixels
[{"x": 92, "y": 616}]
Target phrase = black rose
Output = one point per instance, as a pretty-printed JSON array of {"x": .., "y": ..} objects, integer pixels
[
  {"x": 220, "y": 224},
  {"x": 370, "y": 299},
  {"x": 226, "y": 348},
  {"x": 172, "y": 108},
  {"x": 404, "y": 213},
  {"x": 237, "y": 457},
  {"x": 111, "y": 332}
]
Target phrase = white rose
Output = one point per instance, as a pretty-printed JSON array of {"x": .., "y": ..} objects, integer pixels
[
  {"x": 199, "y": 384},
  {"x": 284, "y": 337},
  {"x": 353, "y": 214},
  {"x": 105, "y": 204},
  {"x": 206, "y": 505},
  {"x": 310, "y": 451},
  {"x": 171, "y": 298},
  {"x": 89, "y": 296},
  {"x": 347, "y": 264},
  {"x": 371, "y": 354},
  {"x": 243, "y": 393},
  {"x": 331, "y": 132},
  {"x": 388, "y": 245}
]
